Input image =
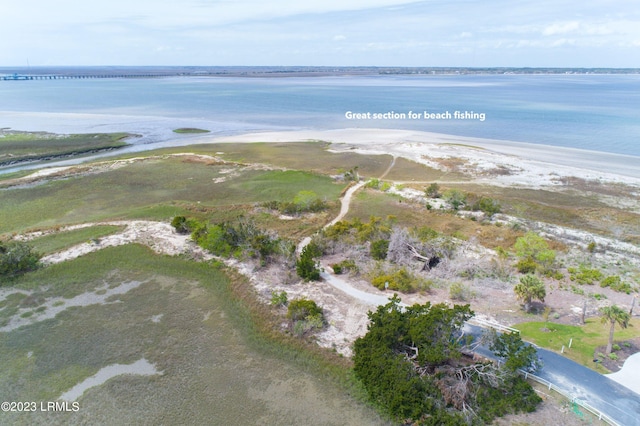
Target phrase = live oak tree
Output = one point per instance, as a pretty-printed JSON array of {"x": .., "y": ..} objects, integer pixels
[
  {"x": 412, "y": 366},
  {"x": 517, "y": 354}
]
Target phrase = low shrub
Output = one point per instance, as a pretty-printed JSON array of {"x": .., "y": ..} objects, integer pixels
[
  {"x": 461, "y": 292},
  {"x": 279, "y": 298},
  {"x": 305, "y": 316},
  {"x": 584, "y": 275},
  {"x": 615, "y": 283},
  {"x": 400, "y": 280},
  {"x": 526, "y": 266},
  {"x": 346, "y": 265}
]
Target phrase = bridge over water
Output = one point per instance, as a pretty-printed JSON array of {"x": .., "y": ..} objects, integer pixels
[{"x": 24, "y": 77}]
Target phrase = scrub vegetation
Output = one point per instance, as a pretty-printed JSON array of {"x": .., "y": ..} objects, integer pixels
[{"x": 205, "y": 327}]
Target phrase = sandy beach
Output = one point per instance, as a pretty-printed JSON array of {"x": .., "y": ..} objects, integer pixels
[{"x": 529, "y": 165}]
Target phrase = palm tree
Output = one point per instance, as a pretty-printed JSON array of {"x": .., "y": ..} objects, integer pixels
[
  {"x": 530, "y": 287},
  {"x": 612, "y": 315}
]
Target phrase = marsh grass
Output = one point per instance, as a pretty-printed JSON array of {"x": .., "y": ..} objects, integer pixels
[
  {"x": 150, "y": 189},
  {"x": 58, "y": 241},
  {"x": 586, "y": 338},
  {"x": 28, "y": 146},
  {"x": 223, "y": 358}
]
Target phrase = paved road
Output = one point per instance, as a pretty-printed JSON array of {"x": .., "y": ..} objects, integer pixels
[{"x": 597, "y": 390}]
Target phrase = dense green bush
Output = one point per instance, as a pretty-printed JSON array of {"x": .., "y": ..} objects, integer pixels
[
  {"x": 379, "y": 249},
  {"x": 306, "y": 266},
  {"x": 241, "y": 238},
  {"x": 487, "y": 205},
  {"x": 16, "y": 258},
  {"x": 526, "y": 266},
  {"x": 300, "y": 309},
  {"x": 400, "y": 280},
  {"x": 532, "y": 249}
]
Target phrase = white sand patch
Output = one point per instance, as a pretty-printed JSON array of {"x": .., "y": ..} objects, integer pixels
[
  {"x": 142, "y": 367},
  {"x": 47, "y": 172}
]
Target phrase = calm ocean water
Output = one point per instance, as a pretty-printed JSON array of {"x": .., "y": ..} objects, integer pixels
[{"x": 592, "y": 112}]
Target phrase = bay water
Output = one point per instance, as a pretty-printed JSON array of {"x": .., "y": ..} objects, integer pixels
[{"x": 591, "y": 112}]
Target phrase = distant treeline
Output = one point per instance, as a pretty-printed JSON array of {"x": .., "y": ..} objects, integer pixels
[{"x": 298, "y": 71}]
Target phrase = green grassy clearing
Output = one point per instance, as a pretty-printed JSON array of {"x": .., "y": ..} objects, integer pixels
[
  {"x": 27, "y": 146},
  {"x": 585, "y": 339},
  {"x": 220, "y": 361},
  {"x": 311, "y": 156},
  {"x": 153, "y": 189},
  {"x": 55, "y": 242},
  {"x": 190, "y": 130}
]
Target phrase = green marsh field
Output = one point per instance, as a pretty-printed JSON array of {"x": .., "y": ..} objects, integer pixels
[{"x": 217, "y": 358}]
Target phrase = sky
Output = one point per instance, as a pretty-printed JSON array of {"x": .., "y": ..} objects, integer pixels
[{"x": 458, "y": 33}]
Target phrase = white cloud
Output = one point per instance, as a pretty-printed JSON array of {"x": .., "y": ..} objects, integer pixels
[
  {"x": 317, "y": 32},
  {"x": 561, "y": 28}
]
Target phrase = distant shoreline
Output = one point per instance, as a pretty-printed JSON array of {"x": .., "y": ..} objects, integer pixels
[{"x": 286, "y": 71}]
